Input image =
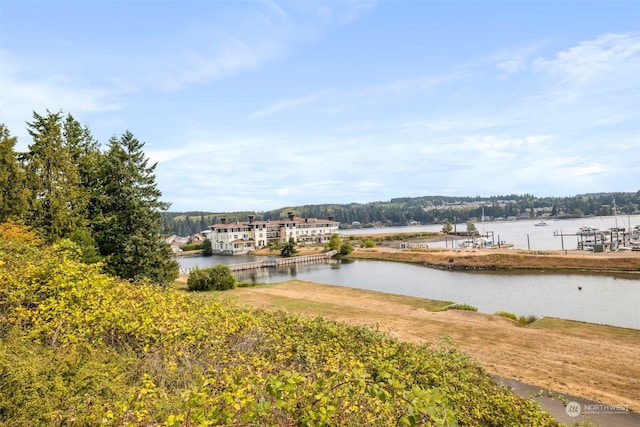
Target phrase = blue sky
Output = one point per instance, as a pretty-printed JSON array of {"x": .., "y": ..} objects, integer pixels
[{"x": 257, "y": 105}]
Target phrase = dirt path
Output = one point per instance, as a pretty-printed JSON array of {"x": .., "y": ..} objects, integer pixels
[{"x": 595, "y": 362}]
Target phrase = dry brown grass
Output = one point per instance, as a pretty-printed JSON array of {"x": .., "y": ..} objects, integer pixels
[
  {"x": 592, "y": 361},
  {"x": 510, "y": 259},
  {"x": 506, "y": 258}
]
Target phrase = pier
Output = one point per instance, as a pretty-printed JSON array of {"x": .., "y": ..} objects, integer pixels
[{"x": 276, "y": 262}]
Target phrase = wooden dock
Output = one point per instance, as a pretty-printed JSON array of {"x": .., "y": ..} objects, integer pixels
[{"x": 276, "y": 262}]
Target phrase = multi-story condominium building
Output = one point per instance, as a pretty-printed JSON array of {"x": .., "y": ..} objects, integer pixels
[{"x": 240, "y": 237}]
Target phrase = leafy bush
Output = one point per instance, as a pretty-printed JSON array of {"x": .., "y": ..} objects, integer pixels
[
  {"x": 248, "y": 284},
  {"x": 369, "y": 243},
  {"x": 525, "y": 320},
  {"x": 346, "y": 249},
  {"x": 335, "y": 241},
  {"x": 507, "y": 315},
  {"x": 80, "y": 347},
  {"x": 217, "y": 278},
  {"x": 462, "y": 307},
  {"x": 289, "y": 248},
  {"x": 191, "y": 247},
  {"x": 207, "y": 247}
]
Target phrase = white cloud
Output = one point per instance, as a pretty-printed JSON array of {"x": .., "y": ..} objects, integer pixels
[
  {"x": 287, "y": 104},
  {"x": 608, "y": 54},
  {"x": 513, "y": 65},
  {"x": 230, "y": 55},
  {"x": 336, "y": 101},
  {"x": 22, "y": 94}
]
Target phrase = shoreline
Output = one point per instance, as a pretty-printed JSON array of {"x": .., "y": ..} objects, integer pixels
[
  {"x": 507, "y": 259},
  {"x": 495, "y": 259},
  {"x": 595, "y": 362}
]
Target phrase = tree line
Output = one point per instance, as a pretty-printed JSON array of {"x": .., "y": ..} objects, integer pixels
[
  {"x": 104, "y": 203},
  {"x": 426, "y": 210}
]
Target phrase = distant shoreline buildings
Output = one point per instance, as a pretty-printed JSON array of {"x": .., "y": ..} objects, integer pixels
[{"x": 241, "y": 237}]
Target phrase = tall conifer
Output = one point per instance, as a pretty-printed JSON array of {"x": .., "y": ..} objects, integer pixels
[
  {"x": 13, "y": 194},
  {"x": 129, "y": 224},
  {"x": 57, "y": 204}
]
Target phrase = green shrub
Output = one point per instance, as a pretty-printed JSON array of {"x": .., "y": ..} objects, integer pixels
[
  {"x": 289, "y": 248},
  {"x": 368, "y": 243},
  {"x": 462, "y": 307},
  {"x": 191, "y": 247},
  {"x": 207, "y": 247},
  {"x": 80, "y": 347},
  {"x": 218, "y": 278},
  {"x": 525, "y": 320},
  {"x": 346, "y": 249},
  {"x": 507, "y": 315},
  {"x": 248, "y": 284}
]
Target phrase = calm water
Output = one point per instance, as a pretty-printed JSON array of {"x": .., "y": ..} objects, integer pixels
[
  {"x": 523, "y": 234},
  {"x": 603, "y": 299}
]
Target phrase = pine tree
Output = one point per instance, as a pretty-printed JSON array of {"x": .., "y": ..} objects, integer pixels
[
  {"x": 57, "y": 202},
  {"x": 13, "y": 194},
  {"x": 85, "y": 155},
  {"x": 129, "y": 223}
]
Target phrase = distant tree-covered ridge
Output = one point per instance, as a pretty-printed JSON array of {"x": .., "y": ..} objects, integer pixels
[
  {"x": 425, "y": 210},
  {"x": 106, "y": 202}
]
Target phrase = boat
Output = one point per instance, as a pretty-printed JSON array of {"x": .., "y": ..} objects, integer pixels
[
  {"x": 540, "y": 224},
  {"x": 474, "y": 243},
  {"x": 466, "y": 244},
  {"x": 587, "y": 230}
]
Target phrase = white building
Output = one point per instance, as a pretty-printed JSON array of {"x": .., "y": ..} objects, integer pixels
[{"x": 240, "y": 237}]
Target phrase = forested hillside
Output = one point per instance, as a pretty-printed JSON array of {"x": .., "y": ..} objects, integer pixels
[
  {"x": 426, "y": 210},
  {"x": 105, "y": 203},
  {"x": 82, "y": 348}
]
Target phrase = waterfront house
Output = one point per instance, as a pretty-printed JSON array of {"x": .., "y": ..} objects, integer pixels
[{"x": 241, "y": 237}]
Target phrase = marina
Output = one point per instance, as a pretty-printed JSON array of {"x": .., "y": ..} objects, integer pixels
[
  {"x": 603, "y": 299},
  {"x": 558, "y": 234}
]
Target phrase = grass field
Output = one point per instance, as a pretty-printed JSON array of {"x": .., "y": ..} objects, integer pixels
[{"x": 592, "y": 361}]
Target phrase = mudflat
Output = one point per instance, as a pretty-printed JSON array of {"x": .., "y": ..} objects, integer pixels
[
  {"x": 595, "y": 362},
  {"x": 510, "y": 259}
]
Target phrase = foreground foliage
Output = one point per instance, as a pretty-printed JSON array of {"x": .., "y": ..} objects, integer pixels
[{"x": 80, "y": 347}]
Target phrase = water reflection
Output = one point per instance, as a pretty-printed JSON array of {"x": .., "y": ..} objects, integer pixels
[{"x": 591, "y": 298}]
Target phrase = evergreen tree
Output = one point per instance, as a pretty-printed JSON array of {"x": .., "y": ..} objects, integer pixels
[
  {"x": 289, "y": 248},
  {"x": 57, "y": 202},
  {"x": 207, "y": 248},
  {"x": 128, "y": 225},
  {"x": 13, "y": 194},
  {"x": 86, "y": 157}
]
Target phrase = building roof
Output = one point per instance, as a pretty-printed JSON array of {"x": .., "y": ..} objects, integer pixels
[{"x": 295, "y": 220}]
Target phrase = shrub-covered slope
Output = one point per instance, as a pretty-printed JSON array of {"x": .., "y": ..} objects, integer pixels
[{"x": 79, "y": 347}]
